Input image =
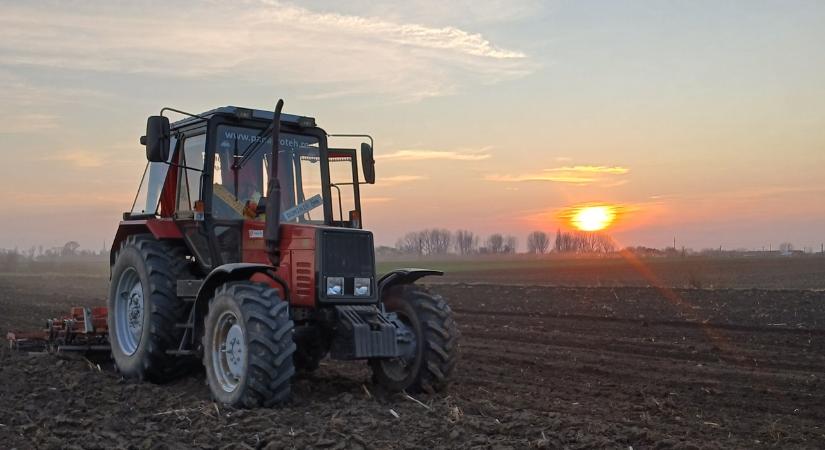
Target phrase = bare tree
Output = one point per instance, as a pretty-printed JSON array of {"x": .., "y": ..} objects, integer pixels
[
  {"x": 583, "y": 242},
  {"x": 437, "y": 241},
  {"x": 785, "y": 248},
  {"x": 70, "y": 248},
  {"x": 605, "y": 244},
  {"x": 565, "y": 242},
  {"x": 510, "y": 244},
  {"x": 426, "y": 242},
  {"x": 495, "y": 243},
  {"x": 538, "y": 242},
  {"x": 465, "y": 242},
  {"x": 412, "y": 242}
]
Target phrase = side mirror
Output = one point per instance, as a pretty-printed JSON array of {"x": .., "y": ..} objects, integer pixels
[
  {"x": 157, "y": 139},
  {"x": 368, "y": 163}
]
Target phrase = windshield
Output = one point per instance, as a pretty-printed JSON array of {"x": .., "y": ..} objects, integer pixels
[{"x": 238, "y": 189}]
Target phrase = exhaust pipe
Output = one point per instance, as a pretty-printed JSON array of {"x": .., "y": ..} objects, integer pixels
[{"x": 273, "y": 194}]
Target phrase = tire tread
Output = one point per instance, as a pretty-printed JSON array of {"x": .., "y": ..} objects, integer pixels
[
  {"x": 440, "y": 335},
  {"x": 165, "y": 263},
  {"x": 271, "y": 345}
]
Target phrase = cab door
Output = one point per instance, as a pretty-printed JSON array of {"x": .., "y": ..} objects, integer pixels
[
  {"x": 343, "y": 181},
  {"x": 189, "y": 216}
]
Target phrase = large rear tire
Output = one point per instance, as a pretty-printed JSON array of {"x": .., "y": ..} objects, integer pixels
[
  {"x": 144, "y": 307},
  {"x": 248, "y": 346},
  {"x": 428, "y": 368}
]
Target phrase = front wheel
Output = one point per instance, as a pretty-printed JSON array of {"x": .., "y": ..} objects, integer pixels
[
  {"x": 428, "y": 367},
  {"x": 248, "y": 346}
]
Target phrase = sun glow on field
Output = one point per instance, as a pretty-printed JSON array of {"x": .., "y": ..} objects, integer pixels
[{"x": 592, "y": 218}]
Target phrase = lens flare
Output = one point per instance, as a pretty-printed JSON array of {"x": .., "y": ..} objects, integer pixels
[{"x": 592, "y": 218}]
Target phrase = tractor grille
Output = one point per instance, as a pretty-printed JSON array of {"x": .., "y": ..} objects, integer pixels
[{"x": 348, "y": 253}]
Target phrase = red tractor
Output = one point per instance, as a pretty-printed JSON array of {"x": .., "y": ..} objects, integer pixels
[{"x": 237, "y": 252}]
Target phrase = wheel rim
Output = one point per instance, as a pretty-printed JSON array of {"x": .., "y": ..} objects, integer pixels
[
  {"x": 401, "y": 367},
  {"x": 228, "y": 351},
  {"x": 129, "y": 311}
]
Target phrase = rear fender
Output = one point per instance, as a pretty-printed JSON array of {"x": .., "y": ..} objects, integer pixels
[
  {"x": 224, "y": 274},
  {"x": 403, "y": 276},
  {"x": 160, "y": 229}
]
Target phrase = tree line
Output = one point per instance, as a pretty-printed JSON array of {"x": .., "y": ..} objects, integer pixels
[
  {"x": 58, "y": 258},
  {"x": 538, "y": 242},
  {"x": 440, "y": 241},
  {"x": 69, "y": 249}
]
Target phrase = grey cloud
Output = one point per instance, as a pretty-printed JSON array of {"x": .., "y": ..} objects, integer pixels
[{"x": 255, "y": 41}]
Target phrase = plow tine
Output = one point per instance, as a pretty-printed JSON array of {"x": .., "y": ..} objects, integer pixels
[{"x": 24, "y": 345}]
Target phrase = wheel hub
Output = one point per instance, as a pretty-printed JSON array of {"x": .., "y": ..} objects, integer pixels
[
  {"x": 235, "y": 350},
  {"x": 228, "y": 352},
  {"x": 135, "y": 310},
  {"x": 129, "y": 311}
]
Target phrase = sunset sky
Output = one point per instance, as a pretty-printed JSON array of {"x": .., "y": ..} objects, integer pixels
[{"x": 702, "y": 120}]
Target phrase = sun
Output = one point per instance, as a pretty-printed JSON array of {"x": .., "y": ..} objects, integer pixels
[{"x": 593, "y": 218}]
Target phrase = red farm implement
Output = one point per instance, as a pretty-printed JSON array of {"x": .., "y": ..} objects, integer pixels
[{"x": 83, "y": 330}]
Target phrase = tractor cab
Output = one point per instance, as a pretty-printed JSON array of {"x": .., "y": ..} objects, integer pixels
[{"x": 214, "y": 180}]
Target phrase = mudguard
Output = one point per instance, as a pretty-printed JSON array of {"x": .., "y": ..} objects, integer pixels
[
  {"x": 160, "y": 229},
  {"x": 404, "y": 276}
]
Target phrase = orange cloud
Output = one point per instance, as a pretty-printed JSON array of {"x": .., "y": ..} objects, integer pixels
[
  {"x": 421, "y": 155},
  {"x": 615, "y": 170},
  {"x": 583, "y": 174},
  {"x": 399, "y": 179},
  {"x": 540, "y": 177}
]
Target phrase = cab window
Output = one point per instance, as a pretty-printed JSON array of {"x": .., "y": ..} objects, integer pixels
[
  {"x": 190, "y": 171},
  {"x": 341, "y": 184}
]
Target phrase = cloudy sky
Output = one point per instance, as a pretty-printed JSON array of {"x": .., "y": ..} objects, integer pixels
[{"x": 703, "y": 120}]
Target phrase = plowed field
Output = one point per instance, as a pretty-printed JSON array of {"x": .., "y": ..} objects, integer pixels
[{"x": 540, "y": 367}]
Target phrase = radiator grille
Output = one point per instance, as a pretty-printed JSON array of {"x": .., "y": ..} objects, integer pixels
[{"x": 348, "y": 253}]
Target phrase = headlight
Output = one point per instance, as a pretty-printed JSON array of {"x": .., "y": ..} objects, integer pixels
[
  {"x": 335, "y": 285},
  {"x": 362, "y": 286}
]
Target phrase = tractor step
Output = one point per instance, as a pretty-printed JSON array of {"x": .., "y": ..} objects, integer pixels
[
  {"x": 181, "y": 352},
  {"x": 187, "y": 290}
]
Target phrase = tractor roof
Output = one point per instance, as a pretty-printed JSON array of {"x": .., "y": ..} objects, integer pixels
[{"x": 245, "y": 113}]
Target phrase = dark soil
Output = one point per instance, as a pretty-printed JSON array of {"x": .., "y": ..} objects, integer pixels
[
  {"x": 540, "y": 367},
  {"x": 698, "y": 272}
]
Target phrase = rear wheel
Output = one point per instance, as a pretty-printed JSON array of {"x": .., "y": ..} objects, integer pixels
[
  {"x": 248, "y": 346},
  {"x": 144, "y": 307},
  {"x": 428, "y": 366}
]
